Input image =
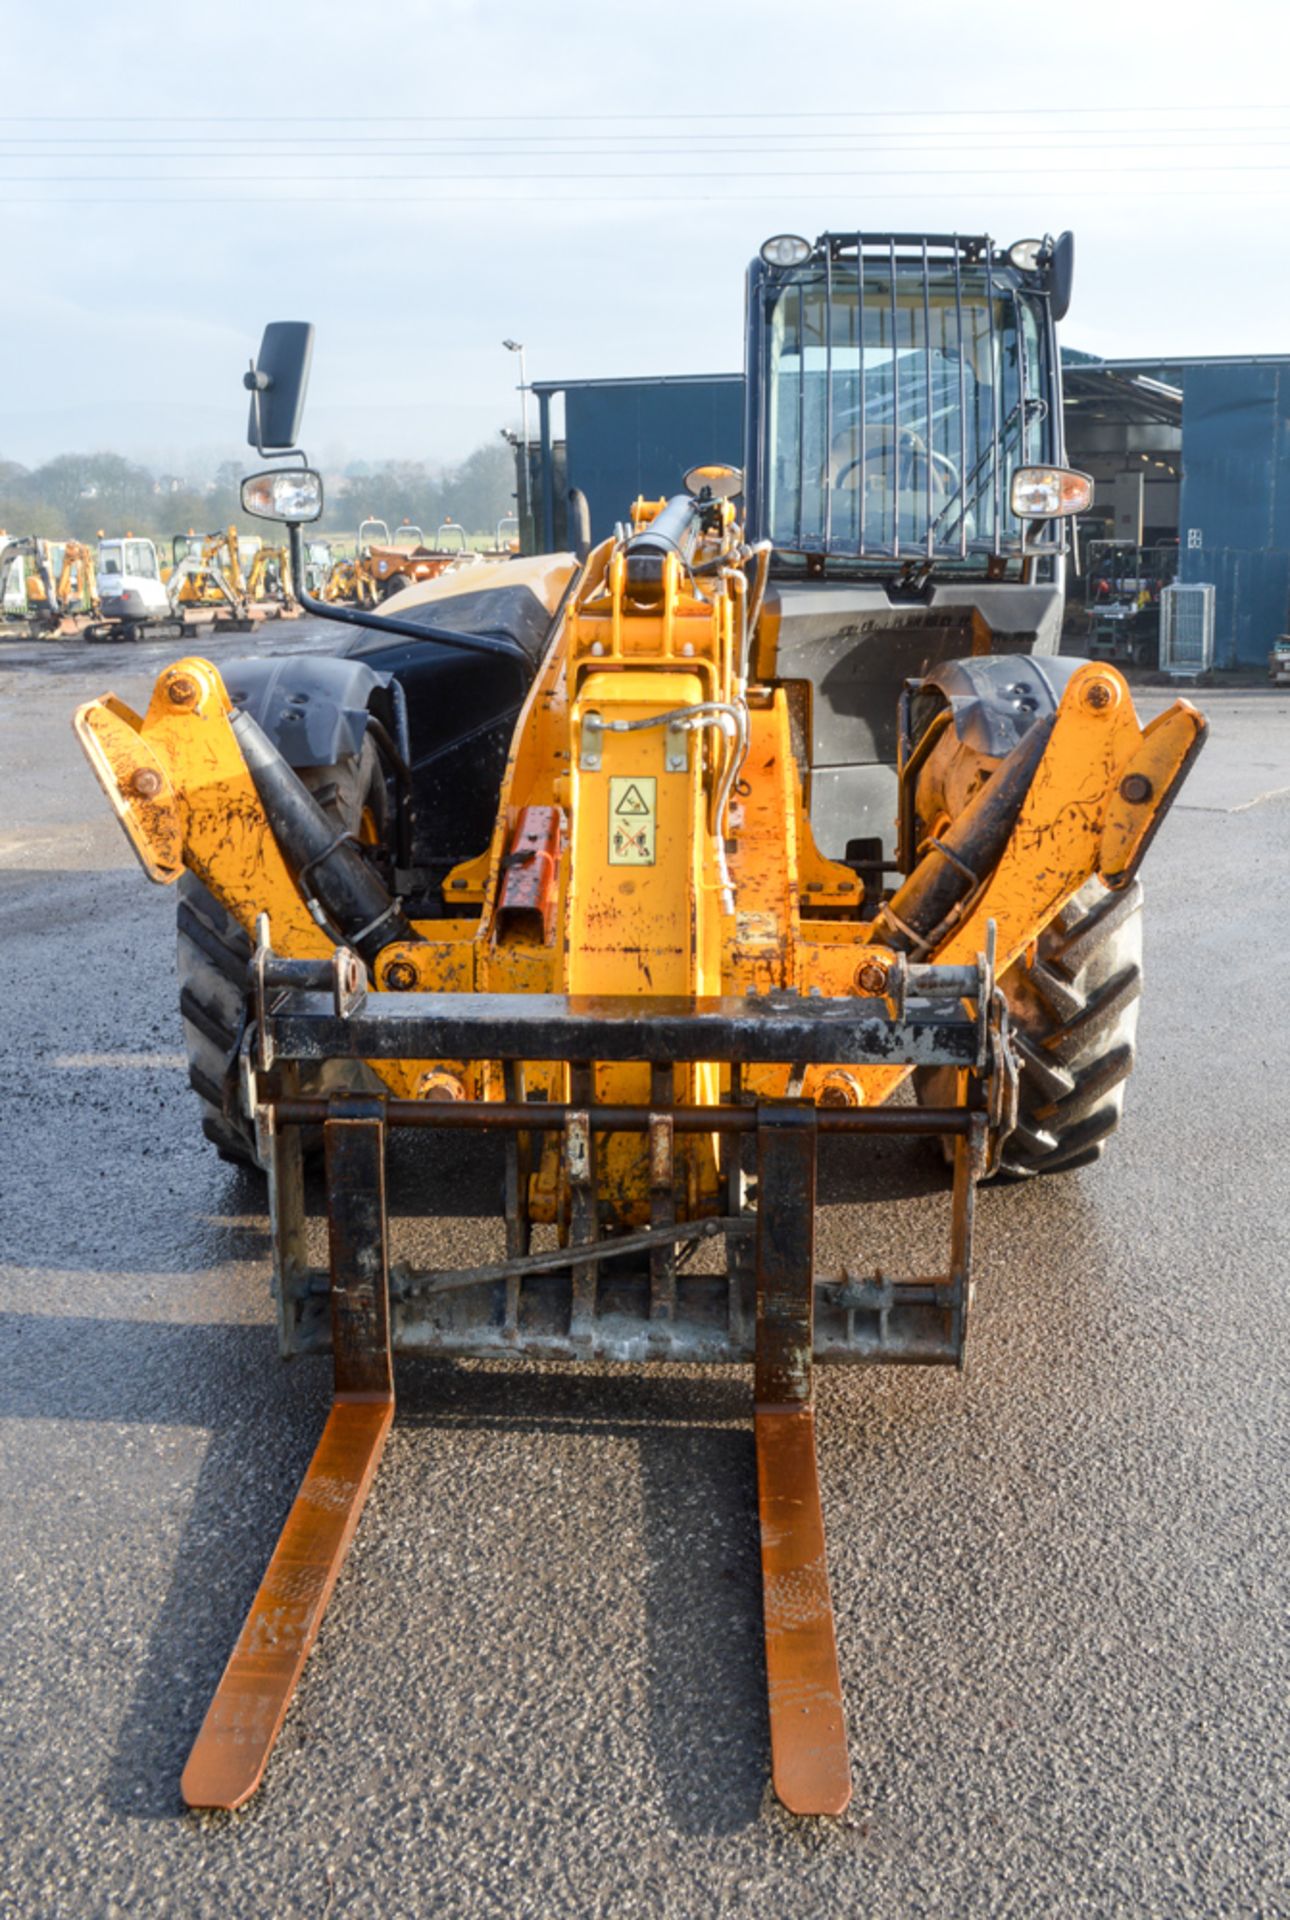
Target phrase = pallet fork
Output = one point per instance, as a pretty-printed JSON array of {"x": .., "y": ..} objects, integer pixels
[{"x": 773, "y": 1313}]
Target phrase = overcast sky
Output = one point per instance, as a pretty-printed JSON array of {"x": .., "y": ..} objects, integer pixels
[{"x": 510, "y": 181}]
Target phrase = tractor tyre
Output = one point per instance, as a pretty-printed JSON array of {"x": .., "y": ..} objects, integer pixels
[
  {"x": 395, "y": 584},
  {"x": 212, "y": 954},
  {"x": 1073, "y": 1013}
]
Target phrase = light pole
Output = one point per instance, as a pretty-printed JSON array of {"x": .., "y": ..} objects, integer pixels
[{"x": 517, "y": 346}]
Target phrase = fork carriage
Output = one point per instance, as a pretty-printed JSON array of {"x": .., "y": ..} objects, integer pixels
[
  {"x": 623, "y": 1295},
  {"x": 617, "y": 1297}
]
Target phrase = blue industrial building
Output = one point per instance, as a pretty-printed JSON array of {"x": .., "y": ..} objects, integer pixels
[
  {"x": 623, "y": 438},
  {"x": 1192, "y": 450}
]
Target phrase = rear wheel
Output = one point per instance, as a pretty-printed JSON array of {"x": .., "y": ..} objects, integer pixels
[
  {"x": 213, "y": 951},
  {"x": 1074, "y": 1013}
]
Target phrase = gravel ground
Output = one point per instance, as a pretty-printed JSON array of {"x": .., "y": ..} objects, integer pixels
[{"x": 1060, "y": 1579}]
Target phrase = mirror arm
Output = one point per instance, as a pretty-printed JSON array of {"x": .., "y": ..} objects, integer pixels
[{"x": 493, "y": 646}]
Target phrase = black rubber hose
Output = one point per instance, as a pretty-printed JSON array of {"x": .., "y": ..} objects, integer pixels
[
  {"x": 326, "y": 865},
  {"x": 975, "y": 841}
]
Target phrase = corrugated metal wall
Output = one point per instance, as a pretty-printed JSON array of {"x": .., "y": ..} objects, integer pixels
[
  {"x": 641, "y": 436},
  {"x": 1234, "y": 518}
]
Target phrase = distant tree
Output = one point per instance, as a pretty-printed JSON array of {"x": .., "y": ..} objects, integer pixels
[
  {"x": 92, "y": 490},
  {"x": 76, "y": 494},
  {"x": 482, "y": 489},
  {"x": 395, "y": 491}
]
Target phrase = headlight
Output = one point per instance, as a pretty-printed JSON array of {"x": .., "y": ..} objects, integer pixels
[
  {"x": 785, "y": 250},
  {"x": 288, "y": 493},
  {"x": 1049, "y": 493},
  {"x": 1025, "y": 254}
]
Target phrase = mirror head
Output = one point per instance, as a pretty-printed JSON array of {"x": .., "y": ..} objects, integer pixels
[
  {"x": 714, "y": 482},
  {"x": 277, "y": 384}
]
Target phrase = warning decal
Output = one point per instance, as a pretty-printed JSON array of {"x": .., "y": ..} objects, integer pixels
[{"x": 633, "y": 816}]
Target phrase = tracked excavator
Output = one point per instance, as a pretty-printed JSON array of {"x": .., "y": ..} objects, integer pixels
[
  {"x": 666, "y": 864},
  {"x": 209, "y": 584},
  {"x": 49, "y": 586}
]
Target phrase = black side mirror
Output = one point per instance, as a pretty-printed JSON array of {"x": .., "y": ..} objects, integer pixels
[
  {"x": 277, "y": 384},
  {"x": 1061, "y": 275}
]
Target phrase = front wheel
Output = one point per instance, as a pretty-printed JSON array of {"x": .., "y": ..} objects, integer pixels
[
  {"x": 213, "y": 952},
  {"x": 1073, "y": 1009}
]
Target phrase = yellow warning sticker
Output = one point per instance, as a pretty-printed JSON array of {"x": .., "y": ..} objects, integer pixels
[{"x": 633, "y": 817}]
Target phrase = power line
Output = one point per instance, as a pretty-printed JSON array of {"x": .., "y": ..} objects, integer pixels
[
  {"x": 1244, "y": 143},
  {"x": 764, "y": 199},
  {"x": 443, "y": 119},
  {"x": 776, "y": 173},
  {"x": 1008, "y": 136}
]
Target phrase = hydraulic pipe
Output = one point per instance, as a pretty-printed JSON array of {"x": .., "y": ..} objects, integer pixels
[
  {"x": 325, "y": 863},
  {"x": 967, "y": 852}
]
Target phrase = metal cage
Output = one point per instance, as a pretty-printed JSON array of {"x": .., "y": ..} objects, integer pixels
[{"x": 1187, "y": 629}]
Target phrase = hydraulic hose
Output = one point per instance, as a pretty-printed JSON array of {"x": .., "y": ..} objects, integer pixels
[
  {"x": 337, "y": 883},
  {"x": 966, "y": 853}
]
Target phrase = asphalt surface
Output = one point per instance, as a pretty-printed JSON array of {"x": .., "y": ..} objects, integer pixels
[{"x": 1061, "y": 1579}]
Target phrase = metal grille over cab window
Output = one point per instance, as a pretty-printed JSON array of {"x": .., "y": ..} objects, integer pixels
[{"x": 901, "y": 393}]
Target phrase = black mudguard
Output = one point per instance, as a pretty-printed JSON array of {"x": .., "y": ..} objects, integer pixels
[
  {"x": 313, "y": 707},
  {"x": 995, "y": 699}
]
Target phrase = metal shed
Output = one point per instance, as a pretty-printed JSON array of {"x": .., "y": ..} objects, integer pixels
[
  {"x": 1234, "y": 506},
  {"x": 628, "y": 437}
]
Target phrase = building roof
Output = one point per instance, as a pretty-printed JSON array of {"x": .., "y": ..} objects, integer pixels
[{"x": 641, "y": 380}]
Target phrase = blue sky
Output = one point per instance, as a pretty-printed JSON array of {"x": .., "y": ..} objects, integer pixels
[{"x": 590, "y": 179}]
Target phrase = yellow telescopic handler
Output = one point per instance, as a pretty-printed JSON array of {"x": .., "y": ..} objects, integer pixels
[{"x": 661, "y": 863}]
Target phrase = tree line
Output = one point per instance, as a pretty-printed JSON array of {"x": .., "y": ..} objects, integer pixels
[{"x": 75, "y": 495}]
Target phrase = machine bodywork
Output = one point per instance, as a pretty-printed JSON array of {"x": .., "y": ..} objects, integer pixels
[{"x": 672, "y": 962}]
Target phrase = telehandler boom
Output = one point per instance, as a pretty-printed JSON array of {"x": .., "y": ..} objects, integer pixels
[{"x": 592, "y": 854}]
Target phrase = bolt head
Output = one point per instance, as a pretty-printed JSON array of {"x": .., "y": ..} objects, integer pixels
[
  {"x": 182, "y": 692},
  {"x": 146, "y": 783},
  {"x": 1099, "y": 695},
  {"x": 871, "y": 977},
  {"x": 438, "y": 1084},
  {"x": 1135, "y": 788},
  {"x": 400, "y": 976},
  {"x": 840, "y": 1090}
]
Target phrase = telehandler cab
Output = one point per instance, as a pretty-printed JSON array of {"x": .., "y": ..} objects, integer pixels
[{"x": 661, "y": 863}]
